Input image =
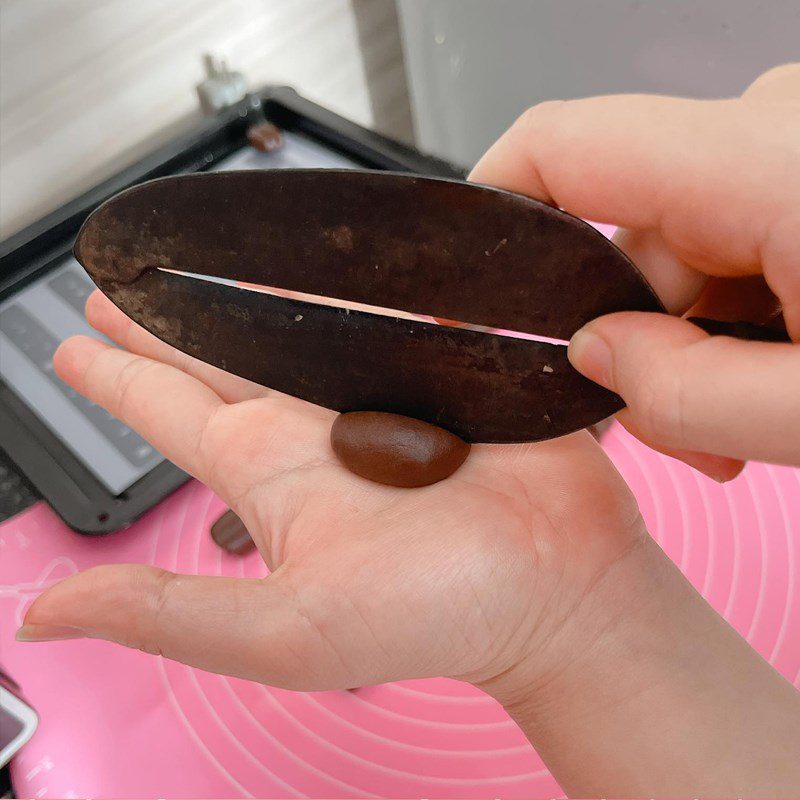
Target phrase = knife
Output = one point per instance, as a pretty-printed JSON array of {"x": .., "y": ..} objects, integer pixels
[{"x": 168, "y": 251}]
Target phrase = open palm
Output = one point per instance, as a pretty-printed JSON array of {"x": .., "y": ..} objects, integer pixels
[{"x": 465, "y": 578}]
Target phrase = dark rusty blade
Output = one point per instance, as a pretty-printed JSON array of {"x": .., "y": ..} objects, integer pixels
[
  {"x": 483, "y": 387},
  {"x": 430, "y": 246}
]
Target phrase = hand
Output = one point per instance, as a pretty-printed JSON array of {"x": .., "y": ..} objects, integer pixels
[
  {"x": 707, "y": 195},
  {"x": 527, "y": 573},
  {"x": 469, "y": 577}
]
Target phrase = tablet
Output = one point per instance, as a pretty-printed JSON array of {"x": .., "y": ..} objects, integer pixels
[{"x": 96, "y": 472}]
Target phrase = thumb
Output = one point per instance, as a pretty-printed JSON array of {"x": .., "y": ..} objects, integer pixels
[
  {"x": 686, "y": 390},
  {"x": 253, "y": 629}
]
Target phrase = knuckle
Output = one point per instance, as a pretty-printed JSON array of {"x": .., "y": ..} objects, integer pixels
[
  {"x": 127, "y": 380},
  {"x": 781, "y": 72},
  {"x": 92, "y": 382},
  {"x": 186, "y": 363},
  {"x": 658, "y": 401},
  {"x": 540, "y": 119},
  {"x": 318, "y": 614},
  {"x": 212, "y": 452},
  {"x": 152, "y": 639}
]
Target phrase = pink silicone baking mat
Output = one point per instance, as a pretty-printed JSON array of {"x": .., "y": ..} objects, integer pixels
[{"x": 117, "y": 723}]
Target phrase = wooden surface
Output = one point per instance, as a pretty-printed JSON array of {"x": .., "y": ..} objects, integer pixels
[{"x": 89, "y": 85}]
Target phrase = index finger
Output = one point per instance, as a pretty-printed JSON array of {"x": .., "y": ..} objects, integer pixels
[{"x": 713, "y": 179}]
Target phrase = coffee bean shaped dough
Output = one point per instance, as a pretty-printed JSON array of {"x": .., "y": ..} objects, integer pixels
[
  {"x": 396, "y": 450},
  {"x": 230, "y": 533}
]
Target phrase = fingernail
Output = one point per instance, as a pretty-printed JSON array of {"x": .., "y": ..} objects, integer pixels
[
  {"x": 48, "y": 633},
  {"x": 590, "y": 355}
]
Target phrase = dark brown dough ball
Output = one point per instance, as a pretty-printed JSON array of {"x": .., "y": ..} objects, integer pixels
[
  {"x": 231, "y": 535},
  {"x": 396, "y": 450}
]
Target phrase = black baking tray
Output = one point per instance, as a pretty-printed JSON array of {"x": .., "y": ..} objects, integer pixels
[{"x": 45, "y": 465}]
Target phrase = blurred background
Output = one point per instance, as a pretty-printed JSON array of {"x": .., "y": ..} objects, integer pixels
[{"x": 86, "y": 86}]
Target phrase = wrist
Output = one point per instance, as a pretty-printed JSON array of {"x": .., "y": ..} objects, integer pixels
[
  {"x": 649, "y": 692},
  {"x": 607, "y": 629}
]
